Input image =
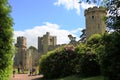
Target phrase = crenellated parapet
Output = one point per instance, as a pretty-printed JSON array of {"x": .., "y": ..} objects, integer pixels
[
  {"x": 21, "y": 42},
  {"x": 95, "y": 9}
]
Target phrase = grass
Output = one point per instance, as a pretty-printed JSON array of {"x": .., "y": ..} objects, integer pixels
[{"x": 79, "y": 78}]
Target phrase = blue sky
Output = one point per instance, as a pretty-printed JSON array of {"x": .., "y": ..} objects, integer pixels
[{"x": 33, "y": 18}]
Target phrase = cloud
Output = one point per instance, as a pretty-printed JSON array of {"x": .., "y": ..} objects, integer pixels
[
  {"x": 73, "y": 5},
  {"x": 76, "y": 30},
  {"x": 86, "y": 5},
  {"x": 54, "y": 29},
  {"x": 69, "y": 4}
]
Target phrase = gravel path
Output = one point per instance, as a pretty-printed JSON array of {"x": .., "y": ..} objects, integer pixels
[{"x": 26, "y": 77}]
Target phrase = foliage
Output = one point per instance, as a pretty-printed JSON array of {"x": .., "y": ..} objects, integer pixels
[
  {"x": 32, "y": 47},
  {"x": 82, "y": 78},
  {"x": 113, "y": 20},
  {"x": 60, "y": 63},
  {"x": 95, "y": 42},
  {"x": 89, "y": 63},
  {"x": 81, "y": 48},
  {"x": 6, "y": 40},
  {"x": 96, "y": 2},
  {"x": 110, "y": 59}
]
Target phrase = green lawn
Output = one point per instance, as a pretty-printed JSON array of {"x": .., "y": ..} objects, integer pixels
[{"x": 79, "y": 78}]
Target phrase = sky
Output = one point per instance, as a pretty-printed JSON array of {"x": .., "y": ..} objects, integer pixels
[{"x": 33, "y": 18}]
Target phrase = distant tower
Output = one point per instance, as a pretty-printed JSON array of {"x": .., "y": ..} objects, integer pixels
[
  {"x": 95, "y": 21},
  {"x": 46, "y": 43},
  {"x": 21, "y": 56}
]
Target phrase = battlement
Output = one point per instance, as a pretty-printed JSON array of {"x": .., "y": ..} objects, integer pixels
[
  {"x": 95, "y": 9},
  {"x": 21, "y": 42}
]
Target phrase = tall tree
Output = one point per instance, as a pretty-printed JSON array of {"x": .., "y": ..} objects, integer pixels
[
  {"x": 110, "y": 59},
  {"x": 113, "y": 20},
  {"x": 6, "y": 40}
]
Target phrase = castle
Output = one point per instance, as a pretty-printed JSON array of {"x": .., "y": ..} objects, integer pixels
[{"x": 28, "y": 58}]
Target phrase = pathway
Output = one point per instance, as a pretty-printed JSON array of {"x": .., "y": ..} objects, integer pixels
[{"x": 26, "y": 77}]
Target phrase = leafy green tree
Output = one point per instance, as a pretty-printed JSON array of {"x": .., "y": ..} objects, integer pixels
[
  {"x": 113, "y": 20},
  {"x": 32, "y": 47},
  {"x": 95, "y": 42},
  {"x": 89, "y": 65},
  {"x": 89, "y": 61},
  {"x": 83, "y": 36},
  {"x": 110, "y": 58},
  {"x": 6, "y": 40},
  {"x": 97, "y": 2}
]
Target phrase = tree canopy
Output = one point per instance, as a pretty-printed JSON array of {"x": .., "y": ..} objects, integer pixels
[{"x": 6, "y": 40}]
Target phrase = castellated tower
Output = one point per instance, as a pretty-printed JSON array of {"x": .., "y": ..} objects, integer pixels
[
  {"x": 95, "y": 21},
  {"x": 21, "y": 55},
  {"x": 46, "y": 43}
]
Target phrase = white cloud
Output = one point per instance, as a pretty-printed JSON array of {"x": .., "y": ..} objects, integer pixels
[
  {"x": 73, "y": 4},
  {"x": 77, "y": 30},
  {"x": 54, "y": 29},
  {"x": 86, "y": 5},
  {"x": 69, "y": 4}
]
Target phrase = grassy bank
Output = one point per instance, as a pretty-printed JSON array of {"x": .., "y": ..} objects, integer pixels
[{"x": 79, "y": 78}]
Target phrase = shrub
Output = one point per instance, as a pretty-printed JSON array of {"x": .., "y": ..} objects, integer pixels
[
  {"x": 60, "y": 63},
  {"x": 110, "y": 59},
  {"x": 89, "y": 65}
]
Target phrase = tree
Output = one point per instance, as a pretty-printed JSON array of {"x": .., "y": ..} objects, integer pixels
[
  {"x": 6, "y": 40},
  {"x": 110, "y": 58},
  {"x": 72, "y": 40},
  {"x": 89, "y": 56},
  {"x": 32, "y": 47},
  {"x": 113, "y": 20},
  {"x": 97, "y": 2},
  {"x": 83, "y": 36}
]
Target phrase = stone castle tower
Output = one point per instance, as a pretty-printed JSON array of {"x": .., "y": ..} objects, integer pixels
[
  {"x": 46, "y": 43},
  {"x": 21, "y": 55},
  {"x": 95, "y": 21}
]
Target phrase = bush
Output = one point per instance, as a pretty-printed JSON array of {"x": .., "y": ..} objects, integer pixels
[
  {"x": 110, "y": 59},
  {"x": 60, "y": 63},
  {"x": 89, "y": 65}
]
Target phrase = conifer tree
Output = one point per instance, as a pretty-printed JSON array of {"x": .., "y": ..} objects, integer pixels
[{"x": 6, "y": 40}]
